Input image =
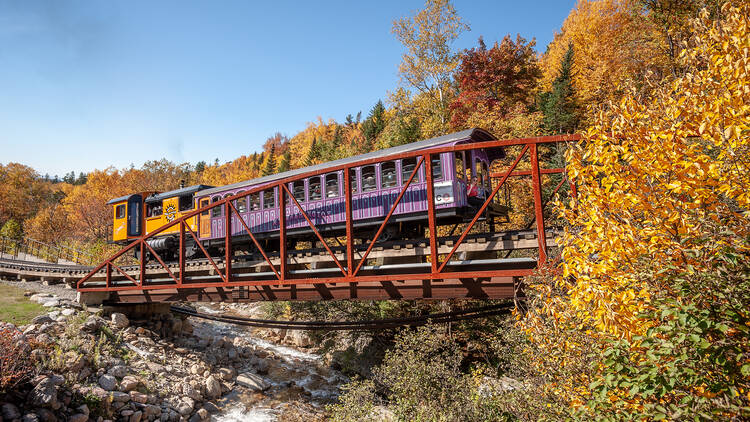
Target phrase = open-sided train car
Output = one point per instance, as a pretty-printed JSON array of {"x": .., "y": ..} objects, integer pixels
[{"x": 375, "y": 188}]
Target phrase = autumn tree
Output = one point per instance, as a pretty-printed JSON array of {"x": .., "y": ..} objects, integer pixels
[
  {"x": 496, "y": 88},
  {"x": 23, "y": 192},
  {"x": 429, "y": 63},
  {"x": 655, "y": 275},
  {"x": 561, "y": 114},
  {"x": 613, "y": 45}
]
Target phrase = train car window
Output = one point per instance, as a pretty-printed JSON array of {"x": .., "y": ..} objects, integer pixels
[
  {"x": 388, "y": 174},
  {"x": 407, "y": 166},
  {"x": 368, "y": 179},
  {"x": 204, "y": 202},
  {"x": 313, "y": 191},
  {"x": 255, "y": 201},
  {"x": 153, "y": 210},
  {"x": 120, "y": 211},
  {"x": 459, "y": 160},
  {"x": 332, "y": 185},
  {"x": 216, "y": 211},
  {"x": 298, "y": 190},
  {"x": 353, "y": 181},
  {"x": 241, "y": 203},
  {"x": 269, "y": 199},
  {"x": 186, "y": 203},
  {"x": 437, "y": 168}
]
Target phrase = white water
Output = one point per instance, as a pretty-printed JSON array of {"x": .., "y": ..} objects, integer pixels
[
  {"x": 241, "y": 414},
  {"x": 290, "y": 372}
]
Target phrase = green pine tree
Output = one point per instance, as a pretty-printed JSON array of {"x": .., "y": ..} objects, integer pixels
[
  {"x": 374, "y": 124},
  {"x": 270, "y": 167},
  {"x": 561, "y": 113},
  {"x": 312, "y": 154},
  {"x": 285, "y": 161}
]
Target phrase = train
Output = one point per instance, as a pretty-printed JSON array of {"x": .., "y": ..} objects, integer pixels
[{"x": 374, "y": 189}]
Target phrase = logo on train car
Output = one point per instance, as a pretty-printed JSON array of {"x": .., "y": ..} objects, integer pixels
[{"x": 170, "y": 213}]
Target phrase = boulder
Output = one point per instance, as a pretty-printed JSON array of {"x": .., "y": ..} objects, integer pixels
[
  {"x": 213, "y": 388},
  {"x": 136, "y": 417},
  {"x": 118, "y": 371},
  {"x": 44, "y": 394},
  {"x": 41, "y": 319},
  {"x": 119, "y": 320},
  {"x": 227, "y": 373},
  {"x": 191, "y": 392},
  {"x": 92, "y": 324},
  {"x": 299, "y": 338},
  {"x": 79, "y": 417},
  {"x": 129, "y": 383},
  {"x": 10, "y": 412},
  {"x": 252, "y": 382},
  {"x": 138, "y": 397},
  {"x": 108, "y": 382}
]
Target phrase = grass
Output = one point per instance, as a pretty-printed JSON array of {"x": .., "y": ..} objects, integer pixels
[{"x": 15, "y": 308}]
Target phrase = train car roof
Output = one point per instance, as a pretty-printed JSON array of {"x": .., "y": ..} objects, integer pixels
[
  {"x": 177, "y": 192},
  {"x": 121, "y": 199},
  {"x": 477, "y": 135}
]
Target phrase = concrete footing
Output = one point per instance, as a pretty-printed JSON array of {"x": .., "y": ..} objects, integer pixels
[{"x": 139, "y": 310}]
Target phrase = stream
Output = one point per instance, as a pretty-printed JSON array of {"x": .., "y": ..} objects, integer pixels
[{"x": 300, "y": 383}]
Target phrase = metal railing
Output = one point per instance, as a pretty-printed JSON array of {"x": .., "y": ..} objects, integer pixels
[
  {"x": 28, "y": 249},
  {"x": 349, "y": 266}
]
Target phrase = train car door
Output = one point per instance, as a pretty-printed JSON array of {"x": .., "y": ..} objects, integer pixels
[{"x": 135, "y": 204}]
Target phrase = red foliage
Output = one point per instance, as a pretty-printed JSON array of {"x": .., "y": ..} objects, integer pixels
[
  {"x": 499, "y": 78},
  {"x": 16, "y": 364}
]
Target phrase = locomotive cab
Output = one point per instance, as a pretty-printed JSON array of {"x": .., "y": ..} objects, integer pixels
[{"x": 128, "y": 219}]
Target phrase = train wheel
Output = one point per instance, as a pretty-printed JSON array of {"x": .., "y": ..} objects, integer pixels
[{"x": 391, "y": 232}]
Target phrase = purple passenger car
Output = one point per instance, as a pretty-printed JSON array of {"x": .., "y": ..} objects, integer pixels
[{"x": 375, "y": 188}]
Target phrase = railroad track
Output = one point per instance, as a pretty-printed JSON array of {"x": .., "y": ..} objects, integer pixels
[{"x": 475, "y": 253}]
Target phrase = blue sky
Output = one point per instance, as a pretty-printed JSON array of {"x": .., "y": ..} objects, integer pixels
[{"x": 92, "y": 84}]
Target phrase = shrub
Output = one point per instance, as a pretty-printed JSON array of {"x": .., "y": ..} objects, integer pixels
[{"x": 16, "y": 364}]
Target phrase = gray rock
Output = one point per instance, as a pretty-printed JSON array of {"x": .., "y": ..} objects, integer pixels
[
  {"x": 44, "y": 394},
  {"x": 46, "y": 415},
  {"x": 252, "y": 382},
  {"x": 185, "y": 406},
  {"x": 151, "y": 411},
  {"x": 108, "y": 382},
  {"x": 10, "y": 411},
  {"x": 92, "y": 324},
  {"x": 211, "y": 408},
  {"x": 191, "y": 392},
  {"x": 83, "y": 409},
  {"x": 227, "y": 373},
  {"x": 119, "y": 320},
  {"x": 68, "y": 312},
  {"x": 213, "y": 387},
  {"x": 41, "y": 319},
  {"x": 79, "y": 417},
  {"x": 262, "y": 366},
  {"x": 30, "y": 417},
  {"x": 136, "y": 417},
  {"x": 57, "y": 379},
  {"x": 51, "y": 303},
  {"x": 120, "y": 396},
  {"x": 118, "y": 371}
]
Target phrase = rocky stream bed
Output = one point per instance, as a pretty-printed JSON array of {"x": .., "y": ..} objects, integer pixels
[{"x": 165, "y": 368}]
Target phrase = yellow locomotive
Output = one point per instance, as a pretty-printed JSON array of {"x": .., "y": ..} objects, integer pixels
[{"x": 141, "y": 213}]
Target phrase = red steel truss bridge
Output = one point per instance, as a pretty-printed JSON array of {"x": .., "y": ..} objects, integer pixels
[{"x": 467, "y": 260}]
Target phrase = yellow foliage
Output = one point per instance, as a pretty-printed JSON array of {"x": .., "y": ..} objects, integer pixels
[
  {"x": 655, "y": 174},
  {"x": 612, "y": 44}
]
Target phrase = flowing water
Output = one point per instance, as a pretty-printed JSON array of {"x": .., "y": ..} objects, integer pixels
[{"x": 300, "y": 383}]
